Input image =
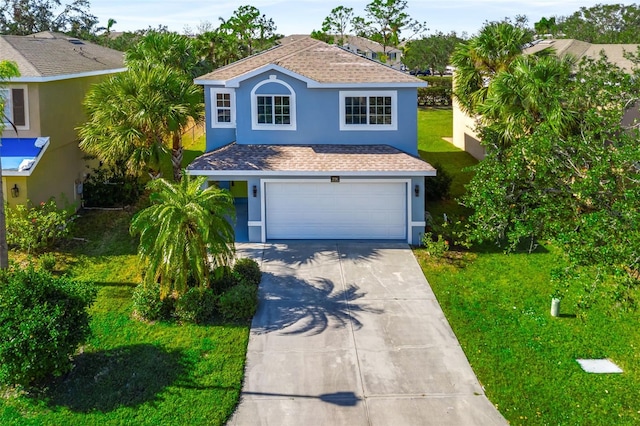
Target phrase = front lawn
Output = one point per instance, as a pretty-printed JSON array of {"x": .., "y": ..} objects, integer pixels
[
  {"x": 498, "y": 306},
  {"x": 132, "y": 372}
]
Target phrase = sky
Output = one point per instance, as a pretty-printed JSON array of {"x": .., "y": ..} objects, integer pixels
[{"x": 304, "y": 16}]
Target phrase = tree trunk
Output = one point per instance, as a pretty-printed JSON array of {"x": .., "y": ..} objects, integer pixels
[{"x": 176, "y": 156}]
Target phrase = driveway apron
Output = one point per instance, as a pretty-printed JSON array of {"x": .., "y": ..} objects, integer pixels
[{"x": 350, "y": 333}]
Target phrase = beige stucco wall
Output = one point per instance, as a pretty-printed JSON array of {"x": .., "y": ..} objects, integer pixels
[
  {"x": 55, "y": 110},
  {"x": 464, "y": 136}
]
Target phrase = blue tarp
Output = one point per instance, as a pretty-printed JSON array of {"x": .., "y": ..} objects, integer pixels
[{"x": 15, "y": 150}]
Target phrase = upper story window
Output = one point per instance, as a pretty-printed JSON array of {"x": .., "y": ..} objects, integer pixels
[
  {"x": 368, "y": 110},
  {"x": 273, "y": 105},
  {"x": 16, "y": 109},
  {"x": 223, "y": 105}
]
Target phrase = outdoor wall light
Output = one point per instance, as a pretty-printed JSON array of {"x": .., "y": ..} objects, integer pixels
[
  {"x": 255, "y": 191},
  {"x": 15, "y": 191},
  {"x": 416, "y": 190}
]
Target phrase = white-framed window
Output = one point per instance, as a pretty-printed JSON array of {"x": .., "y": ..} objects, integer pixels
[
  {"x": 368, "y": 110},
  {"x": 223, "y": 108},
  {"x": 16, "y": 106},
  {"x": 273, "y": 111}
]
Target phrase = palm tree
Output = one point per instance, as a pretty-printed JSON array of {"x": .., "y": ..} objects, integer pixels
[
  {"x": 132, "y": 115},
  {"x": 526, "y": 95},
  {"x": 169, "y": 49},
  {"x": 482, "y": 57},
  {"x": 185, "y": 233}
]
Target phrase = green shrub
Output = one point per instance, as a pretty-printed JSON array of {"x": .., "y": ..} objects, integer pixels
[
  {"x": 435, "y": 245},
  {"x": 111, "y": 187},
  {"x": 438, "y": 187},
  {"x": 222, "y": 279},
  {"x": 248, "y": 271},
  {"x": 239, "y": 302},
  {"x": 37, "y": 228},
  {"x": 147, "y": 304},
  {"x": 43, "y": 319},
  {"x": 47, "y": 262},
  {"x": 197, "y": 305},
  {"x": 437, "y": 93}
]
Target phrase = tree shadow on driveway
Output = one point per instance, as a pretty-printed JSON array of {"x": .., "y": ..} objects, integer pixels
[{"x": 291, "y": 305}]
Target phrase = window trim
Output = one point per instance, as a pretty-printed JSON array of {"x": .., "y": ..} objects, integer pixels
[
  {"x": 214, "y": 108},
  {"x": 8, "y": 90},
  {"x": 254, "y": 106},
  {"x": 369, "y": 94}
]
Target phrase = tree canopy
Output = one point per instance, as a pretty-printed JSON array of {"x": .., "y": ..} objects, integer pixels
[
  {"x": 432, "y": 52},
  {"x": 603, "y": 23},
  {"x": 562, "y": 154},
  {"x": 24, "y": 17}
]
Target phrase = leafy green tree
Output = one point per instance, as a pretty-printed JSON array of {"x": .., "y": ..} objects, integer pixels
[
  {"x": 387, "y": 19},
  {"x": 603, "y": 23},
  {"x": 170, "y": 49},
  {"x": 133, "y": 115},
  {"x": 253, "y": 31},
  {"x": 569, "y": 171},
  {"x": 431, "y": 52},
  {"x": 24, "y": 17},
  {"x": 480, "y": 58},
  {"x": 185, "y": 233},
  {"x": 338, "y": 23},
  {"x": 546, "y": 26},
  {"x": 8, "y": 70}
]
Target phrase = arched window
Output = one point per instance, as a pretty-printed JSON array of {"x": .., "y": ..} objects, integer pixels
[{"x": 273, "y": 105}]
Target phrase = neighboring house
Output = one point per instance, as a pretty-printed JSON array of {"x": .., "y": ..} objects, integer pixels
[
  {"x": 45, "y": 104},
  {"x": 315, "y": 143},
  {"x": 363, "y": 47},
  {"x": 464, "y": 135}
]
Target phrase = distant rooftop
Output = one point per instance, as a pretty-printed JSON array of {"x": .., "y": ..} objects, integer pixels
[
  {"x": 48, "y": 56},
  {"x": 580, "y": 49}
]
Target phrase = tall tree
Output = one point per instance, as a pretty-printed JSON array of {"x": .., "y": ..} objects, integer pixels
[
  {"x": 24, "y": 17},
  {"x": 480, "y": 58},
  {"x": 387, "y": 19},
  {"x": 185, "y": 233},
  {"x": 170, "y": 49},
  {"x": 252, "y": 29},
  {"x": 338, "y": 23},
  {"x": 431, "y": 52},
  {"x": 603, "y": 23},
  {"x": 7, "y": 70},
  {"x": 133, "y": 115},
  {"x": 546, "y": 26}
]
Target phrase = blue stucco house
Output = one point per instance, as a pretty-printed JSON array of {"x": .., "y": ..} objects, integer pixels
[{"x": 315, "y": 142}]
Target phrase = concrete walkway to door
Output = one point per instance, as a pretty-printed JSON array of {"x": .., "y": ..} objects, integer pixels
[{"x": 350, "y": 333}]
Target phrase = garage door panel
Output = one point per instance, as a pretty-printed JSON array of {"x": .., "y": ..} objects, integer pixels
[{"x": 336, "y": 210}]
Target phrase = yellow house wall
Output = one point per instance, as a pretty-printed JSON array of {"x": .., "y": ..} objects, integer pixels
[
  {"x": 464, "y": 136},
  {"x": 7, "y": 183},
  {"x": 55, "y": 110}
]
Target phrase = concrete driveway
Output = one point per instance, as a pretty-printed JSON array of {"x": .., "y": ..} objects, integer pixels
[{"x": 350, "y": 333}]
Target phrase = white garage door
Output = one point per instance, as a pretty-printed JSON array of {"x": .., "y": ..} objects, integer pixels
[{"x": 344, "y": 210}]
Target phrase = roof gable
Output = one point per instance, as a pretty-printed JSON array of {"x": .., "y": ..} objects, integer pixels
[
  {"x": 317, "y": 63},
  {"x": 49, "y": 56}
]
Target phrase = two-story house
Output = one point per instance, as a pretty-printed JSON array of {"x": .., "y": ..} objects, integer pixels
[
  {"x": 42, "y": 159},
  {"x": 315, "y": 142}
]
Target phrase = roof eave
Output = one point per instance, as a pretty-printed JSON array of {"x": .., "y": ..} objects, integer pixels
[{"x": 264, "y": 173}]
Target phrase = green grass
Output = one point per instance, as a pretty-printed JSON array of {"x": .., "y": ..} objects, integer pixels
[
  {"x": 498, "y": 306},
  {"x": 132, "y": 372}
]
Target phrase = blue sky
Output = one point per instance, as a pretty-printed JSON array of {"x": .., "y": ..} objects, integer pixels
[{"x": 303, "y": 16}]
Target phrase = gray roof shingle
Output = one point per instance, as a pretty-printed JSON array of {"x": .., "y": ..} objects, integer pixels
[
  {"x": 362, "y": 159},
  {"x": 317, "y": 61},
  {"x": 49, "y": 54}
]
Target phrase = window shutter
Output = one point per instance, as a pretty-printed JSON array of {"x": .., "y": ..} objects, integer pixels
[{"x": 19, "y": 113}]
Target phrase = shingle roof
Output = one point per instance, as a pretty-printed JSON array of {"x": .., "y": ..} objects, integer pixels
[
  {"x": 317, "y": 61},
  {"x": 579, "y": 49},
  {"x": 49, "y": 54},
  {"x": 311, "y": 158}
]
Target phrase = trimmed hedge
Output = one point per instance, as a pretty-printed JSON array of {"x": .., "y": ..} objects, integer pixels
[{"x": 438, "y": 93}]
